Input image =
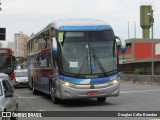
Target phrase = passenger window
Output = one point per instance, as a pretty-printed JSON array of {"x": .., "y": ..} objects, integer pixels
[{"x": 7, "y": 87}]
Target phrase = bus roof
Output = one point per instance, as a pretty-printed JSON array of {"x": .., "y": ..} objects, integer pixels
[{"x": 81, "y": 24}]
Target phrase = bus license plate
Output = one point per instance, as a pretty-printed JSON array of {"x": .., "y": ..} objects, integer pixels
[{"x": 92, "y": 93}]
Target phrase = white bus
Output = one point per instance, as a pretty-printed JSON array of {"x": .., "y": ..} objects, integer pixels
[{"x": 74, "y": 59}]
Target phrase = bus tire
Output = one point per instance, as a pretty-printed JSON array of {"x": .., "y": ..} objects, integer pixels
[
  {"x": 34, "y": 90},
  {"x": 30, "y": 84},
  {"x": 101, "y": 99},
  {"x": 55, "y": 100}
]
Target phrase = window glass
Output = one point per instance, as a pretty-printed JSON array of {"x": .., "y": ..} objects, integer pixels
[
  {"x": 21, "y": 74},
  {"x": 7, "y": 87},
  {"x": 5, "y": 61},
  {"x": 0, "y": 89}
]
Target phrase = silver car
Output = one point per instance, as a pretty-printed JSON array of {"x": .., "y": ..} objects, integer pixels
[
  {"x": 8, "y": 98},
  {"x": 21, "y": 78}
]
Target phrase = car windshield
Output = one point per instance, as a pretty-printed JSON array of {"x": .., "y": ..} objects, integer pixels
[
  {"x": 91, "y": 52},
  {"x": 21, "y": 74}
]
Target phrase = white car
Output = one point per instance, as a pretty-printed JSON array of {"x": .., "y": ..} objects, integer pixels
[
  {"x": 8, "y": 98},
  {"x": 21, "y": 78}
]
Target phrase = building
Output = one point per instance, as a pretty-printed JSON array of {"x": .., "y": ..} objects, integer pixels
[
  {"x": 20, "y": 41},
  {"x": 138, "y": 56},
  {"x": 0, "y": 45},
  {"x": 11, "y": 45}
]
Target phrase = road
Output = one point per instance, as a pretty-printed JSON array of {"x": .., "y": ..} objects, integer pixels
[{"x": 132, "y": 97}]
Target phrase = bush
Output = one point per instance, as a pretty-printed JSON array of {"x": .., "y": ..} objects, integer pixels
[{"x": 138, "y": 71}]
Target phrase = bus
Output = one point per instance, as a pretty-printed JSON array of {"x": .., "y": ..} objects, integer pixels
[
  {"x": 74, "y": 59},
  {"x": 7, "y": 60}
]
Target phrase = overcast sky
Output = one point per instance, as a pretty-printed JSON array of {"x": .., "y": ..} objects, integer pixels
[{"x": 30, "y": 16}]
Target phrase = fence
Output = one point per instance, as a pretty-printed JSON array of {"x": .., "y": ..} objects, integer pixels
[{"x": 141, "y": 79}]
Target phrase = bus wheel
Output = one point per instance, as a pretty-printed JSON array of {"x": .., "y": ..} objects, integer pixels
[
  {"x": 101, "y": 99},
  {"x": 55, "y": 100},
  {"x": 34, "y": 90}
]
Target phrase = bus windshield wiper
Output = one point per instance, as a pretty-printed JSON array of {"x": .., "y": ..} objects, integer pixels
[
  {"x": 82, "y": 66},
  {"x": 99, "y": 63}
]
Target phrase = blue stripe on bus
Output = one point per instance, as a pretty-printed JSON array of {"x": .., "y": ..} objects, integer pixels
[
  {"x": 96, "y": 27},
  {"x": 90, "y": 81}
]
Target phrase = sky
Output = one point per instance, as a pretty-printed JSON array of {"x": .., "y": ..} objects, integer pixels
[{"x": 31, "y": 16}]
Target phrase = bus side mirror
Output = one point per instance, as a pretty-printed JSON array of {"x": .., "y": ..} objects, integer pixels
[
  {"x": 123, "y": 44},
  {"x": 55, "y": 46}
]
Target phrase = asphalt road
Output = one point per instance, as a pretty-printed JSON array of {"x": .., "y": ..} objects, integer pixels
[{"x": 132, "y": 97}]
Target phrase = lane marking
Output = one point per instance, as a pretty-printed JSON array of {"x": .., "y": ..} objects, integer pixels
[
  {"x": 154, "y": 119},
  {"x": 23, "y": 91},
  {"x": 30, "y": 97},
  {"x": 140, "y": 91},
  {"x": 20, "y": 97}
]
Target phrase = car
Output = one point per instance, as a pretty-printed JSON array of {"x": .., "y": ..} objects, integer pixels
[
  {"x": 21, "y": 78},
  {"x": 8, "y": 98}
]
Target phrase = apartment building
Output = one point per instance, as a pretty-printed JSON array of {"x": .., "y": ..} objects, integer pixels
[
  {"x": 0, "y": 45},
  {"x": 11, "y": 45},
  {"x": 20, "y": 41}
]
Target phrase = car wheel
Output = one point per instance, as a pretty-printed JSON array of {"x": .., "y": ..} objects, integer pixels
[{"x": 101, "y": 99}]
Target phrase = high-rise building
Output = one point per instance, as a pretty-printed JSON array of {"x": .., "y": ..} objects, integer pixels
[
  {"x": 0, "y": 45},
  {"x": 20, "y": 41},
  {"x": 11, "y": 45}
]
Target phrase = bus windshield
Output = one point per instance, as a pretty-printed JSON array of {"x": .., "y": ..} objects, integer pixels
[
  {"x": 88, "y": 53},
  {"x": 5, "y": 61},
  {"x": 5, "y": 64}
]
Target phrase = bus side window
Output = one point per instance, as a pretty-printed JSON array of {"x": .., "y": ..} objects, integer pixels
[
  {"x": 37, "y": 58},
  {"x": 42, "y": 57}
]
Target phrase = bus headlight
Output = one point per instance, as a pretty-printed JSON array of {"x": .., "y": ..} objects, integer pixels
[
  {"x": 65, "y": 83},
  {"x": 115, "y": 81}
]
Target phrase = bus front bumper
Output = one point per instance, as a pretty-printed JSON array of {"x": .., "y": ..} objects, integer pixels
[{"x": 88, "y": 91}]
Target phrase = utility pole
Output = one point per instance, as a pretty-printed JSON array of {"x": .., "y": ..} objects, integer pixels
[
  {"x": 128, "y": 31},
  {"x": 152, "y": 21}
]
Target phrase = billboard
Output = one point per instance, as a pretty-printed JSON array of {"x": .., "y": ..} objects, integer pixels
[{"x": 2, "y": 33}]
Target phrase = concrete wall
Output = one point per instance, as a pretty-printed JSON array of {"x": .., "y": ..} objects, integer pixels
[{"x": 141, "y": 79}]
